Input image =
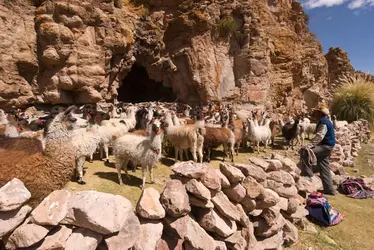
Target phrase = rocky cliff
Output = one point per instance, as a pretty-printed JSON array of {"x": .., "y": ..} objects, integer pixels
[{"x": 70, "y": 51}]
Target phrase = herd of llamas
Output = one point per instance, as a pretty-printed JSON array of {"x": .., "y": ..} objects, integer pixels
[{"x": 46, "y": 159}]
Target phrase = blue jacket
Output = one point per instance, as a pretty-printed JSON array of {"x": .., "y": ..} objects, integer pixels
[{"x": 329, "y": 138}]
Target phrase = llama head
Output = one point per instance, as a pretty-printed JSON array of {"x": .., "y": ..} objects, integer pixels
[
  {"x": 71, "y": 120},
  {"x": 156, "y": 126}
]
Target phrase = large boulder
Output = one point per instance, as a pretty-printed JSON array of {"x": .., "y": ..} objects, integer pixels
[
  {"x": 274, "y": 165},
  {"x": 268, "y": 198},
  {"x": 225, "y": 207},
  {"x": 174, "y": 199},
  {"x": 188, "y": 169},
  {"x": 26, "y": 235},
  {"x": 248, "y": 204},
  {"x": 83, "y": 239},
  {"x": 199, "y": 202},
  {"x": 198, "y": 189},
  {"x": 150, "y": 233},
  {"x": 127, "y": 236},
  {"x": 236, "y": 193},
  {"x": 149, "y": 206},
  {"x": 12, "y": 219},
  {"x": 280, "y": 189},
  {"x": 210, "y": 178},
  {"x": 273, "y": 242},
  {"x": 233, "y": 174},
  {"x": 211, "y": 221},
  {"x": 282, "y": 177},
  {"x": 253, "y": 188},
  {"x": 251, "y": 170},
  {"x": 56, "y": 239},
  {"x": 309, "y": 185},
  {"x": 259, "y": 162},
  {"x": 100, "y": 212},
  {"x": 264, "y": 230},
  {"x": 13, "y": 195},
  {"x": 52, "y": 209},
  {"x": 225, "y": 183}
]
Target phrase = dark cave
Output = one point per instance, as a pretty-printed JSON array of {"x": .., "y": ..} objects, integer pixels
[{"x": 138, "y": 87}]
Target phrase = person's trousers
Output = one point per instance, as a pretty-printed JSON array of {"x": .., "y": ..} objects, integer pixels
[{"x": 323, "y": 153}]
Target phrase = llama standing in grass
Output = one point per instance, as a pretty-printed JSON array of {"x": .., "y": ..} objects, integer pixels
[
  {"x": 140, "y": 150},
  {"x": 42, "y": 171},
  {"x": 257, "y": 134}
]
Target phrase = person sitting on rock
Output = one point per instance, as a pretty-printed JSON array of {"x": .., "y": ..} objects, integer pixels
[{"x": 322, "y": 145}]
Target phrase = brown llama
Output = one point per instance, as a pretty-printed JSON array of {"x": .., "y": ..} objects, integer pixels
[{"x": 42, "y": 171}]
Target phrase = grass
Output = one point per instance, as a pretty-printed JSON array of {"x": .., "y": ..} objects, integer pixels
[
  {"x": 353, "y": 101},
  {"x": 354, "y": 233},
  {"x": 227, "y": 26}
]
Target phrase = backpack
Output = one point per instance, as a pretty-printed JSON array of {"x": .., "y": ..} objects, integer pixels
[
  {"x": 321, "y": 212},
  {"x": 356, "y": 188}
]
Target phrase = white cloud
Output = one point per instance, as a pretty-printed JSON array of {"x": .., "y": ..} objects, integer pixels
[{"x": 352, "y": 4}]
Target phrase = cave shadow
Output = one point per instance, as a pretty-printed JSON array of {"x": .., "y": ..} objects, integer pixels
[{"x": 132, "y": 180}]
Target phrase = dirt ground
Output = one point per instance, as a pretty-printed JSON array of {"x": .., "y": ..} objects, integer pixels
[{"x": 354, "y": 233}]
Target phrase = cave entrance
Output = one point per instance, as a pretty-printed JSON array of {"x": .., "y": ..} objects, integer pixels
[{"x": 138, "y": 87}]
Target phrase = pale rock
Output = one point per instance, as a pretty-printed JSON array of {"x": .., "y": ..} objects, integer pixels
[
  {"x": 176, "y": 227},
  {"x": 282, "y": 177},
  {"x": 248, "y": 204},
  {"x": 255, "y": 212},
  {"x": 280, "y": 189},
  {"x": 288, "y": 164},
  {"x": 188, "y": 169},
  {"x": 50, "y": 57},
  {"x": 167, "y": 243},
  {"x": 253, "y": 188},
  {"x": 225, "y": 207},
  {"x": 293, "y": 204},
  {"x": 210, "y": 178},
  {"x": 291, "y": 233},
  {"x": 259, "y": 162},
  {"x": 282, "y": 204},
  {"x": 100, "y": 212},
  {"x": 56, "y": 239},
  {"x": 174, "y": 199},
  {"x": 265, "y": 230},
  {"x": 250, "y": 170},
  {"x": 236, "y": 241},
  {"x": 299, "y": 215},
  {"x": 26, "y": 235},
  {"x": 149, "y": 206},
  {"x": 309, "y": 185},
  {"x": 13, "y": 195},
  {"x": 83, "y": 239},
  {"x": 211, "y": 221},
  {"x": 200, "y": 203},
  {"x": 270, "y": 215},
  {"x": 52, "y": 209},
  {"x": 233, "y": 174},
  {"x": 249, "y": 236},
  {"x": 224, "y": 181},
  {"x": 127, "y": 236},
  {"x": 244, "y": 219},
  {"x": 150, "y": 233},
  {"x": 198, "y": 189},
  {"x": 220, "y": 245},
  {"x": 267, "y": 198},
  {"x": 273, "y": 242},
  {"x": 235, "y": 193},
  {"x": 274, "y": 165},
  {"x": 12, "y": 219},
  {"x": 196, "y": 236}
]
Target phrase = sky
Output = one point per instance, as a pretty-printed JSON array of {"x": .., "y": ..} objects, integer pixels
[{"x": 348, "y": 24}]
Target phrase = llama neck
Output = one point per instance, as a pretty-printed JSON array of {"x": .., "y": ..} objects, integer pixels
[
  {"x": 169, "y": 120},
  {"x": 57, "y": 132},
  {"x": 156, "y": 140}
]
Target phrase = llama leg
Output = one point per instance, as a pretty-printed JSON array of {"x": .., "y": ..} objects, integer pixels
[
  {"x": 258, "y": 147},
  {"x": 176, "y": 149},
  {"x": 181, "y": 154},
  {"x": 232, "y": 152},
  {"x": 208, "y": 154},
  {"x": 118, "y": 167},
  {"x": 150, "y": 169},
  {"x": 101, "y": 149},
  {"x": 200, "y": 152},
  {"x": 106, "y": 153},
  {"x": 186, "y": 154},
  {"x": 80, "y": 163},
  {"x": 193, "y": 152},
  {"x": 144, "y": 171},
  {"x": 91, "y": 158}
]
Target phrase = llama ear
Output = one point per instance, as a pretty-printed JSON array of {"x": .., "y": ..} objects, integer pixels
[
  {"x": 70, "y": 110},
  {"x": 122, "y": 121}
]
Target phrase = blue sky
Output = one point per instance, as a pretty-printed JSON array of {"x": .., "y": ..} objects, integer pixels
[{"x": 348, "y": 24}]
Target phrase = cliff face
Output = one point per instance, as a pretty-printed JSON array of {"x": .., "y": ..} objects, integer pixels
[{"x": 80, "y": 51}]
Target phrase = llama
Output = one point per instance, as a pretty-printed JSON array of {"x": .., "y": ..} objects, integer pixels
[
  {"x": 290, "y": 132},
  {"x": 141, "y": 150},
  {"x": 338, "y": 124},
  {"x": 42, "y": 171},
  {"x": 257, "y": 134},
  {"x": 214, "y": 137},
  {"x": 184, "y": 137}
]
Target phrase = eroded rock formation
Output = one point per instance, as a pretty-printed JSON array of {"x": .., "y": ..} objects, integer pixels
[{"x": 80, "y": 51}]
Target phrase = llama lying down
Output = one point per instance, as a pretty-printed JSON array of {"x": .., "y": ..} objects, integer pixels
[
  {"x": 42, "y": 171},
  {"x": 140, "y": 150}
]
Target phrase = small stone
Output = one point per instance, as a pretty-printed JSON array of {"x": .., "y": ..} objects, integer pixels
[
  {"x": 250, "y": 170},
  {"x": 225, "y": 207},
  {"x": 149, "y": 206},
  {"x": 233, "y": 174},
  {"x": 259, "y": 162},
  {"x": 256, "y": 212},
  {"x": 198, "y": 189},
  {"x": 174, "y": 199},
  {"x": 355, "y": 170},
  {"x": 310, "y": 229},
  {"x": 274, "y": 165},
  {"x": 236, "y": 193},
  {"x": 211, "y": 221},
  {"x": 83, "y": 239},
  {"x": 13, "y": 195},
  {"x": 224, "y": 181},
  {"x": 200, "y": 203},
  {"x": 26, "y": 235},
  {"x": 248, "y": 204},
  {"x": 150, "y": 233},
  {"x": 254, "y": 189},
  {"x": 52, "y": 209},
  {"x": 12, "y": 219}
]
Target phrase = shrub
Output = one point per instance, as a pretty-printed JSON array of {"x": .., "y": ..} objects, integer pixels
[
  {"x": 353, "y": 101},
  {"x": 227, "y": 26}
]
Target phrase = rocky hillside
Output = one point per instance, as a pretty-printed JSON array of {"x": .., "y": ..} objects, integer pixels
[{"x": 70, "y": 51}]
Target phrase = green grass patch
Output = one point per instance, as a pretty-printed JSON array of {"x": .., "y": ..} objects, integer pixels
[{"x": 227, "y": 26}]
